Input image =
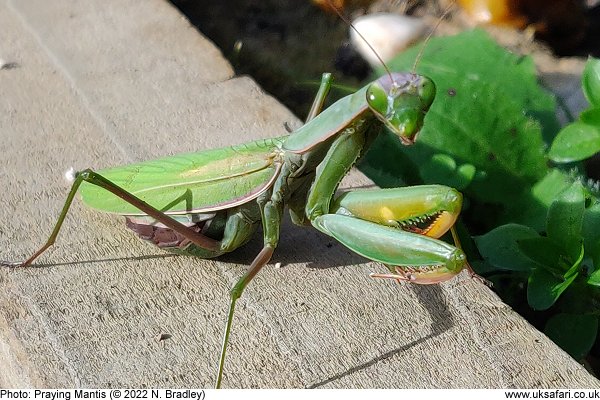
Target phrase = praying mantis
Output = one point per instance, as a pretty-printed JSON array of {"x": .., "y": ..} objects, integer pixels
[{"x": 209, "y": 203}]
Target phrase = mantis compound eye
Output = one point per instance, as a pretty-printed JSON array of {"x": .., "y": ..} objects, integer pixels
[
  {"x": 426, "y": 91},
  {"x": 377, "y": 98}
]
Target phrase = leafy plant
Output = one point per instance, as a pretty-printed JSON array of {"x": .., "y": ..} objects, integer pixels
[
  {"x": 581, "y": 139},
  {"x": 564, "y": 257},
  {"x": 537, "y": 226}
]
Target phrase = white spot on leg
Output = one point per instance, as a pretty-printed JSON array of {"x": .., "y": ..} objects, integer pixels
[{"x": 70, "y": 175}]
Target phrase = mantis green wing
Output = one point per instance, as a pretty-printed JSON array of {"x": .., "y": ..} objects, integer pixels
[{"x": 191, "y": 183}]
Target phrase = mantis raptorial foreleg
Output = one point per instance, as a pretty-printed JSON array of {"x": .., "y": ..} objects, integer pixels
[
  {"x": 396, "y": 226},
  {"x": 369, "y": 222},
  {"x": 416, "y": 258},
  {"x": 427, "y": 210}
]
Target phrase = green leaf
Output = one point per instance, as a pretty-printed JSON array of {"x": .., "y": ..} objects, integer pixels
[
  {"x": 580, "y": 298},
  {"x": 565, "y": 219},
  {"x": 590, "y": 81},
  {"x": 533, "y": 209},
  {"x": 544, "y": 288},
  {"x": 575, "y": 334},
  {"x": 591, "y": 234},
  {"x": 591, "y": 116},
  {"x": 500, "y": 248},
  {"x": 546, "y": 253},
  {"x": 575, "y": 262},
  {"x": 442, "y": 169},
  {"x": 548, "y": 189},
  {"x": 594, "y": 278},
  {"x": 575, "y": 142}
]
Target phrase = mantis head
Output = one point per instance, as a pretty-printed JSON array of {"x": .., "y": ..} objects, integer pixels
[{"x": 400, "y": 101}]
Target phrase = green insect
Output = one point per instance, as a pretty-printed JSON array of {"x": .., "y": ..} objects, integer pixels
[{"x": 209, "y": 203}]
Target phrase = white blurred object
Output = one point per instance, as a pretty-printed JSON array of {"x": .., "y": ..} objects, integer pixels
[{"x": 389, "y": 34}]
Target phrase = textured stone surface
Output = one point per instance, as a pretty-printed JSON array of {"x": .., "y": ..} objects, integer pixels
[{"x": 102, "y": 83}]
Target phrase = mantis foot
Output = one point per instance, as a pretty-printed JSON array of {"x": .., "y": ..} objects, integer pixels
[
  {"x": 11, "y": 264},
  {"x": 479, "y": 278}
]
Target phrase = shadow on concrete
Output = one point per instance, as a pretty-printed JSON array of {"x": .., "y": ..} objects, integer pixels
[
  {"x": 433, "y": 300},
  {"x": 99, "y": 260}
]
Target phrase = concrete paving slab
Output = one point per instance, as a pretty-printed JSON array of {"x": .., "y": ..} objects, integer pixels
[{"x": 102, "y": 83}]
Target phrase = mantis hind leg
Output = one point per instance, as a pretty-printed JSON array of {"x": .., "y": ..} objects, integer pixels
[
  {"x": 96, "y": 179},
  {"x": 232, "y": 228},
  {"x": 270, "y": 214}
]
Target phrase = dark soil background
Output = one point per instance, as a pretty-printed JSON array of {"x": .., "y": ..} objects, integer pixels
[{"x": 284, "y": 45}]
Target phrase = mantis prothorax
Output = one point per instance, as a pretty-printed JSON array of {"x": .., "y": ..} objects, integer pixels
[{"x": 209, "y": 203}]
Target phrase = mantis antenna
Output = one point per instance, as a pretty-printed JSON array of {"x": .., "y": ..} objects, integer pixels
[
  {"x": 431, "y": 32},
  {"x": 419, "y": 56},
  {"x": 339, "y": 13}
]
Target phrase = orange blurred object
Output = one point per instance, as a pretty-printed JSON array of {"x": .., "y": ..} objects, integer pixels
[
  {"x": 497, "y": 12},
  {"x": 561, "y": 23},
  {"x": 326, "y": 5}
]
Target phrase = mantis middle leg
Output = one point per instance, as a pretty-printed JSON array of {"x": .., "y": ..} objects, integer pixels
[{"x": 271, "y": 206}]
